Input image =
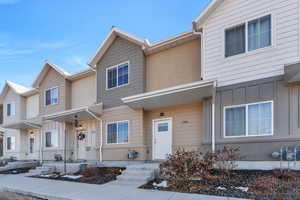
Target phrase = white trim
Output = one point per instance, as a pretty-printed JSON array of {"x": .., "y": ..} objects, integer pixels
[
  {"x": 57, "y": 87},
  {"x": 170, "y": 119},
  {"x": 117, "y": 66},
  {"x": 116, "y": 122},
  {"x": 108, "y": 41},
  {"x": 246, "y": 113},
  {"x": 166, "y": 91},
  {"x": 255, "y": 51},
  {"x": 206, "y": 13}
]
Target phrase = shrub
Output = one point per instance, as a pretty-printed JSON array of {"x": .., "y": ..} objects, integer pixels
[
  {"x": 90, "y": 171},
  {"x": 183, "y": 166},
  {"x": 227, "y": 159}
]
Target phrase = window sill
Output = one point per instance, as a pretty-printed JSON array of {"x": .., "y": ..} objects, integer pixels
[
  {"x": 248, "y": 136},
  {"x": 249, "y": 53},
  {"x": 108, "y": 89}
]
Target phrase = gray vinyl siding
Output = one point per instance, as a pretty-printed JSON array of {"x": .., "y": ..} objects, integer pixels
[
  {"x": 121, "y": 51},
  {"x": 286, "y": 116}
]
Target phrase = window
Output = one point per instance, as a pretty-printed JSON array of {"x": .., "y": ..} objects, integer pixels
[
  {"x": 51, "y": 96},
  {"x": 163, "y": 127},
  {"x": 11, "y": 109},
  {"x": 249, "y": 120},
  {"x": 10, "y": 143},
  {"x": 31, "y": 145},
  {"x": 51, "y": 139},
  {"x": 117, "y": 133},
  {"x": 117, "y": 76},
  {"x": 235, "y": 41},
  {"x": 259, "y": 33}
]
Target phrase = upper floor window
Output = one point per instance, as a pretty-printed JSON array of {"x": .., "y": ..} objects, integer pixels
[
  {"x": 249, "y": 120},
  {"x": 258, "y": 36},
  {"x": 11, "y": 109},
  {"x": 51, "y": 96},
  {"x": 259, "y": 33},
  {"x": 235, "y": 41},
  {"x": 117, "y": 76},
  {"x": 117, "y": 133}
]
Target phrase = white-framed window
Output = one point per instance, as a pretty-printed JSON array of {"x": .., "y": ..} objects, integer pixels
[
  {"x": 117, "y": 132},
  {"x": 117, "y": 76},
  {"x": 51, "y": 96},
  {"x": 248, "y": 36},
  {"x": 235, "y": 40},
  {"x": 254, "y": 119},
  {"x": 259, "y": 33},
  {"x": 10, "y": 143},
  {"x": 11, "y": 109},
  {"x": 51, "y": 139}
]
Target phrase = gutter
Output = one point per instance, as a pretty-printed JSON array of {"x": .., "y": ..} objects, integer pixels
[{"x": 101, "y": 133}]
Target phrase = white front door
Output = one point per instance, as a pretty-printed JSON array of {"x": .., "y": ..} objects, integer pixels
[
  {"x": 81, "y": 144},
  {"x": 162, "y": 138}
]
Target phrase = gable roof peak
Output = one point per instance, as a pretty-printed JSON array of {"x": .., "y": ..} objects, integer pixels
[
  {"x": 115, "y": 32},
  {"x": 19, "y": 89},
  {"x": 210, "y": 8},
  {"x": 46, "y": 67}
]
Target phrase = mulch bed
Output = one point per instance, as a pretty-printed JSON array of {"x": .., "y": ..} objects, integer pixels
[
  {"x": 94, "y": 175},
  {"x": 265, "y": 185}
]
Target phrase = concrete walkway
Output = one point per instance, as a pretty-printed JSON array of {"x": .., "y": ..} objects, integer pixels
[{"x": 61, "y": 190}]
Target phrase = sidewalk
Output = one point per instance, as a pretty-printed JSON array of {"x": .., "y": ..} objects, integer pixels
[{"x": 61, "y": 190}]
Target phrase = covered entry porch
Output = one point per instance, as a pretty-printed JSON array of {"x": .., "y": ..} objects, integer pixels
[
  {"x": 173, "y": 117},
  {"x": 82, "y": 131}
]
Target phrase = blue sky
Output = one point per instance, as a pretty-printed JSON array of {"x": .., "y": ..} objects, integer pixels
[{"x": 68, "y": 32}]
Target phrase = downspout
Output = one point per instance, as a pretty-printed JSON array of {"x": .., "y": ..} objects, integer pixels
[
  {"x": 213, "y": 141},
  {"x": 101, "y": 133}
]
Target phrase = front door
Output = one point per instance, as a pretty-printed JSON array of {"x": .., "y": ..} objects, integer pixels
[
  {"x": 162, "y": 138},
  {"x": 81, "y": 142}
]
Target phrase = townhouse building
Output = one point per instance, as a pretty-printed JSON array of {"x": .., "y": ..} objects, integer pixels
[{"x": 231, "y": 80}]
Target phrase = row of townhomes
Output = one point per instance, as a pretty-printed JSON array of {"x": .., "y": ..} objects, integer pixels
[{"x": 233, "y": 79}]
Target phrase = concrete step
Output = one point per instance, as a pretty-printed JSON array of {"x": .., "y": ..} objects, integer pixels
[
  {"x": 139, "y": 173},
  {"x": 133, "y": 178}
]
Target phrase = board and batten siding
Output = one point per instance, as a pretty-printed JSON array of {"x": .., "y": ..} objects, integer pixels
[
  {"x": 257, "y": 64},
  {"x": 32, "y": 106},
  {"x": 286, "y": 112}
]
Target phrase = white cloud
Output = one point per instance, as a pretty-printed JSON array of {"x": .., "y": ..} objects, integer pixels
[
  {"x": 9, "y": 1},
  {"x": 75, "y": 63},
  {"x": 53, "y": 45},
  {"x": 12, "y": 52}
]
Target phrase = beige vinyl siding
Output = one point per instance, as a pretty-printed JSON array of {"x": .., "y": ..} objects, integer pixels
[
  {"x": 32, "y": 106},
  {"x": 135, "y": 136},
  {"x": 83, "y": 92},
  {"x": 17, "y": 151},
  {"x": 175, "y": 66},
  {"x": 48, "y": 153},
  {"x": 10, "y": 97},
  {"x": 258, "y": 64},
  {"x": 187, "y": 126},
  {"x": 91, "y": 142},
  {"x": 52, "y": 80}
]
